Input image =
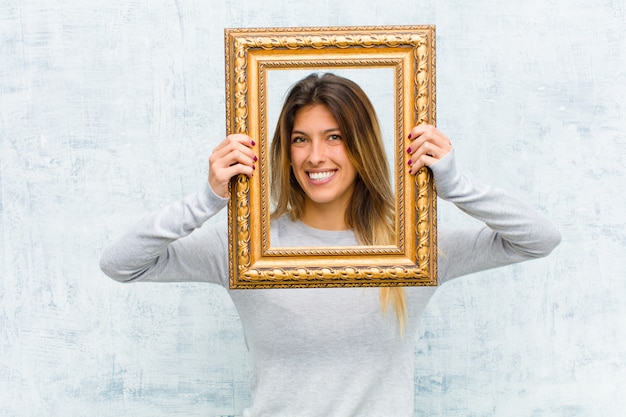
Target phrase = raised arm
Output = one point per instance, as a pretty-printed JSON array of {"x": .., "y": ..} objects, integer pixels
[
  {"x": 512, "y": 230},
  {"x": 172, "y": 244}
]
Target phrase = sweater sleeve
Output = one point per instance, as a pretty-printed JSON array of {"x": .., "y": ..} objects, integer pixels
[
  {"x": 172, "y": 244},
  {"x": 512, "y": 230}
]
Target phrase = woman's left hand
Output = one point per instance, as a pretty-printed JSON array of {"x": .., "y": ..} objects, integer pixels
[{"x": 428, "y": 145}]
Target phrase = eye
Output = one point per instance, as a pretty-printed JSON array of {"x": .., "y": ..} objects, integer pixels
[
  {"x": 334, "y": 137},
  {"x": 298, "y": 139}
]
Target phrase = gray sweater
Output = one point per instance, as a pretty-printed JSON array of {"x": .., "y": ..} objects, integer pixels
[{"x": 328, "y": 352}]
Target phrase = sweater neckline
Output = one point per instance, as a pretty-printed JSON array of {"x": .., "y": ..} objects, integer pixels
[{"x": 322, "y": 233}]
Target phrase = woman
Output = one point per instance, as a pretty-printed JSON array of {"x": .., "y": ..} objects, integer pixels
[
  {"x": 318, "y": 173},
  {"x": 329, "y": 352}
]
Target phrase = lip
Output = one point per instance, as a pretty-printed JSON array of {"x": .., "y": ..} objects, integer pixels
[{"x": 322, "y": 176}]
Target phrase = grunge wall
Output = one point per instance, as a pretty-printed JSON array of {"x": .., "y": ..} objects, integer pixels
[{"x": 110, "y": 109}]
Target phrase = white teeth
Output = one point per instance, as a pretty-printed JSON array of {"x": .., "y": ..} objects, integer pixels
[{"x": 318, "y": 176}]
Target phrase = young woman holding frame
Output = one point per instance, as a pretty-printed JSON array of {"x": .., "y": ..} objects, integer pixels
[{"x": 329, "y": 351}]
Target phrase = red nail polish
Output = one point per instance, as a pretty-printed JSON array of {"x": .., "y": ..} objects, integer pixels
[
  {"x": 410, "y": 134},
  {"x": 255, "y": 158},
  {"x": 252, "y": 143},
  {"x": 410, "y": 162},
  {"x": 408, "y": 150}
]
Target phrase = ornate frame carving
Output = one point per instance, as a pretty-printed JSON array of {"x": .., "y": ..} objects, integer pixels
[{"x": 410, "y": 52}]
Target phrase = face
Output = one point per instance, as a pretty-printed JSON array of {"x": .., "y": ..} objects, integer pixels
[{"x": 319, "y": 159}]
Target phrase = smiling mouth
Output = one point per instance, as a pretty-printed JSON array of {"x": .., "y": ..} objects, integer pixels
[{"x": 321, "y": 176}]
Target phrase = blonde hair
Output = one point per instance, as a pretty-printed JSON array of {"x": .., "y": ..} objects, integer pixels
[{"x": 371, "y": 210}]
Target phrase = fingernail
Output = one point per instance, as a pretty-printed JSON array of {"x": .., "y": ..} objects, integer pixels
[
  {"x": 253, "y": 166},
  {"x": 255, "y": 158},
  {"x": 409, "y": 135},
  {"x": 253, "y": 143},
  {"x": 410, "y": 162},
  {"x": 408, "y": 150}
]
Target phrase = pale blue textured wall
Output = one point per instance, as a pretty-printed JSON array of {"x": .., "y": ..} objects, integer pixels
[{"x": 109, "y": 109}]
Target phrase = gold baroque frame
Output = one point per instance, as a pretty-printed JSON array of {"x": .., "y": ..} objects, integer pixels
[{"x": 250, "y": 53}]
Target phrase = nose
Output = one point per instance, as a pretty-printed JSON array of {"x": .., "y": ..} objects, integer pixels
[{"x": 317, "y": 152}]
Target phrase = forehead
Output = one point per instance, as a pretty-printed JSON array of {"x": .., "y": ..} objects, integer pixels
[{"x": 314, "y": 115}]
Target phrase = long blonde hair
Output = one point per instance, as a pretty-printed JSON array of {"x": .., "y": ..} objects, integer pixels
[{"x": 371, "y": 210}]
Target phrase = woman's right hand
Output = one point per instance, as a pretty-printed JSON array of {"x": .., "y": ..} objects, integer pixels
[{"x": 232, "y": 157}]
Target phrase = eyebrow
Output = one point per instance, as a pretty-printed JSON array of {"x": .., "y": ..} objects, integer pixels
[{"x": 331, "y": 130}]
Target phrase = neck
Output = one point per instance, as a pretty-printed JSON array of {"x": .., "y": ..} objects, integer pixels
[{"x": 325, "y": 216}]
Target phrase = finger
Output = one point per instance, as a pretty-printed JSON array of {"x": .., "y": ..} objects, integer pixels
[
  {"x": 219, "y": 180},
  {"x": 232, "y": 171},
  {"x": 431, "y": 148},
  {"x": 418, "y": 130},
  {"x": 241, "y": 142},
  {"x": 236, "y": 156},
  {"x": 236, "y": 138},
  {"x": 428, "y": 147},
  {"x": 233, "y": 156},
  {"x": 426, "y": 133},
  {"x": 233, "y": 163},
  {"x": 233, "y": 150},
  {"x": 220, "y": 176},
  {"x": 422, "y": 161},
  {"x": 427, "y": 155}
]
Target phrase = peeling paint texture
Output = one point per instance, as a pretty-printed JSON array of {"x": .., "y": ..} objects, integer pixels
[{"x": 110, "y": 109}]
